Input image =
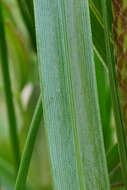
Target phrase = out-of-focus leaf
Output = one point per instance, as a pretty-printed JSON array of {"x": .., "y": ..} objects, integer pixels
[
  {"x": 121, "y": 133},
  {"x": 8, "y": 92},
  {"x": 98, "y": 33},
  {"x": 116, "y": 176},
  {"x": 19, "y": 57},
  {"x": 113, "y": 158},
  {"x": 7, "y": 13},
  {"x": 96, "y": 4},
  {"x": 118, "y": 188},
  {"x": 29, "y": 146},
  {"x": 28, "y": 19},
  {"x": 104, "y": 101},
  {"x": 30, "y": 8},
  {"x": 28, "y": 113},
  {"x": 7, "y": 177},
  {"x": 98, "y": 27}
]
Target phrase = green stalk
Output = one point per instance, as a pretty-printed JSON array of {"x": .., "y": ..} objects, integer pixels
[
  {"x": 8, "y": 92},
  {"x": 115, "y": 96},
  {"x": 29, "y": 146},
  {"x": 70, "y": 100}
]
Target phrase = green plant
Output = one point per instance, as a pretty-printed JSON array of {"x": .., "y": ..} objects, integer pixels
[{"x": 77, "y": 87}]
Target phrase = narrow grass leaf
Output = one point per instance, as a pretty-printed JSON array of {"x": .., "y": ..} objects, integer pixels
[
  {"x": 7, "y": 13},
  {"x": 7, "y": 175},
  {"x": 28, "y": 20},
  {"x": 30, "y": 8},
  {"x": 114, "y": 88},
  {"x": 19, "y": 57},
  {"x": 70, "y": 102},
  {"x": 104, "y": 101},
  {"x": 97, "y": 33},
  {"x": 8, "y": 92},
  {"x": 113, "y": 159},
  {"x": 29, "y": 146},
  {"x": 116, "y": 176},
  {"x": 98, "y": 28}
]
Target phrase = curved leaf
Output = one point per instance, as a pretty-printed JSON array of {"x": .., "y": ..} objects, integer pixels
[{"x": 19, "y": 57}]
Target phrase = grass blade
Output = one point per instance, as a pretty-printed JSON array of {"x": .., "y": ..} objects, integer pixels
[
  {"x": 98, "y": 29},
  {"x": 115, "y": 97},
  {"x": 28, "y": 20},
  {"x": 96, "y": 4},
  {"x": 20, "y": 61},
  {"x": 7, "y": 175},
  {"x": 30, "y": 7},
  {"x": 113, "y": 158},
  {"x": 116, "y": 176},
  {"x": 97, "y": 32},
  {"x": 8, "y": 92},
  {"x": 70, "y": 101},
  {"x": 104, "y": 101},
  {"x": 27, "y": 154}
]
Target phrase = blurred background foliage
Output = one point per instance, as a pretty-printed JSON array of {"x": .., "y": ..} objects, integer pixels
[
  {"x": 25, "y": 86},
  {"x": 21, "y": 43}
]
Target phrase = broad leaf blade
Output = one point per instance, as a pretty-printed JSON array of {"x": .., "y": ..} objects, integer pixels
[{"x": 70, "y": 101}]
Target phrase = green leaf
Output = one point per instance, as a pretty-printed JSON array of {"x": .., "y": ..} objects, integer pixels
[
  {"x": 98, "y": 27},
  {"x": 114, "y": 89},
  {"x": 96, "y": 4},
  {"x": 104, "y": 101},
  {"x": 30, "y": 8},
  {"x": 7, "y": 174},
  {"x": 7, "y": 13},
  {"x": 29, "y": 146},
  {"x": 116, "y": 176},
  {"x": 18, "y": 55},
  {"x": 70, "y": 101},
  {"x": 28, "y": 114},
  {"x": 113, "y": 159},
  {"x": 98, "y": 33},
  {"x": 20, "y": 63},
  {"x": 8, "y": 92},
  {"x": 28, "y": 20},
  {"x": 114, "y": 166}
]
